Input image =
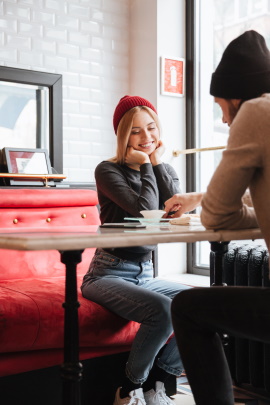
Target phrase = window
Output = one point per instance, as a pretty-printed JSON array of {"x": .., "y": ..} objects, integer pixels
[
  {"x": 216, "y": 23},
  {"x": 37, "y": 97}
]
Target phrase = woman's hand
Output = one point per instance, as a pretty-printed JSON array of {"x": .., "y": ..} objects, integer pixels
[
  {"x": 135, "y": 157},
  {"x": 155, "y": 157},
  {"x": 182, "y": 203}
]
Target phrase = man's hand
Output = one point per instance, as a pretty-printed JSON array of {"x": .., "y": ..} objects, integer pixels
[
  {"x": 182, "y": 203},
  {"x": 155, "y": 157}
]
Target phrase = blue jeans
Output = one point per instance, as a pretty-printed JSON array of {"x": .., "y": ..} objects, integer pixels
[{"x": 129, "y": 290}]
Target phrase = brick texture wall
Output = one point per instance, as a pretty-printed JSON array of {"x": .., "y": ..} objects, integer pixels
[{"x": 87, "y": 41}]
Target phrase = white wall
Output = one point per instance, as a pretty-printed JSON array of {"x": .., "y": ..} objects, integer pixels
[
  {"x": 104, "y": 49},
  {"x": 87, "y": 41},
  {"x": 158, "y": 29},
  {"x": 143, "y": 49},
  {"x": 171, "y": 42}
]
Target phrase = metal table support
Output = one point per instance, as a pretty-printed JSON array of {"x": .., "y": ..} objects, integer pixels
[
  {"x": 219, "y": 249},
  {"x": 71, "y": 369}
]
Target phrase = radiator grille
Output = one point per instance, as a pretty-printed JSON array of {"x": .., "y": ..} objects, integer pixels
[{"x": 249, "y": 361}]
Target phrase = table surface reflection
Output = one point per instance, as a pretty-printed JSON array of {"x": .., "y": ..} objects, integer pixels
[{"x": 96, "y": 237}]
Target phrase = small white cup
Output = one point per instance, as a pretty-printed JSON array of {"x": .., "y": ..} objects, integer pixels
[{"x": 153, "y": 214}]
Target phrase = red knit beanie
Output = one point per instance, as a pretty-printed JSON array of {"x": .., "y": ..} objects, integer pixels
[{"x": 125, "y": 104}]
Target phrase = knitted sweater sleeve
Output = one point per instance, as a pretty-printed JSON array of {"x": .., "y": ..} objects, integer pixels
[
  {"x": 222, "y": 206},
  {"x": 167, "y": 180},
  {"x": 114, "y": 187}
]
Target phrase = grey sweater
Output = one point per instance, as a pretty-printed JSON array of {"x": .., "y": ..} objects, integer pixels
[{"x": 124, "y": 192}]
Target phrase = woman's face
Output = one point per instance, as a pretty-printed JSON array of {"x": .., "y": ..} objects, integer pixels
[{"x": 144, "y": 135}]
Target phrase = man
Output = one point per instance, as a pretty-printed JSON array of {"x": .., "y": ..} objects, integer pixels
[{"x": 240, "y": 85}]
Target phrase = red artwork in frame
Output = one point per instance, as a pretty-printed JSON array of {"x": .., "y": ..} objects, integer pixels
[{"x": 172, "y": 76}]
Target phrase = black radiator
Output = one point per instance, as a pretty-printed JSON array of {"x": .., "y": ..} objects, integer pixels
[{"x": 249, "y": 361}]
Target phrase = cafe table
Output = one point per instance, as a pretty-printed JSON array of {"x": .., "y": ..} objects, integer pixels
[{"x": 71, "y": 246}]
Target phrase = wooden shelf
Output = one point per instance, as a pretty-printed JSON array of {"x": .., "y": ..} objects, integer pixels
[{"x": 44, "y": 177}]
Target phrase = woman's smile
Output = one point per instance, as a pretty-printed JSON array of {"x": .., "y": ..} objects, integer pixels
[{"x": 146, "y": 145}]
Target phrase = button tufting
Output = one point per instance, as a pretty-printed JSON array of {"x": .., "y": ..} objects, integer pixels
[
  {"x": 48, "y": 219},
  {"x": 15, "y": 221},
  {"x": 83, "y": 215}
]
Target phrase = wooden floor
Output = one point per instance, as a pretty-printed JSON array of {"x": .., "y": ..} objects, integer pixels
[
  {"x": 242, "y": 396},
  {"x": 182, "y": 399}
]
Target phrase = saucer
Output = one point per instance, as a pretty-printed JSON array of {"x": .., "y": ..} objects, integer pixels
[{"x": 150, "y": 221}]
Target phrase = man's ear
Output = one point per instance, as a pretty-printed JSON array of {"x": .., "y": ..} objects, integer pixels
[{"x": 237, "y": 102}]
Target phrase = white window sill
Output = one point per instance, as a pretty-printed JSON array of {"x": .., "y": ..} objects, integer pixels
[{"x": 193, "y": 280}]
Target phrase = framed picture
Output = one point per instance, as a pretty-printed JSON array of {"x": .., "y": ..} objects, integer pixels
[
  {"x": 172, "y": 76},
  {"x": 27, "y": 161},
  {"x": 22, "y": 161}
]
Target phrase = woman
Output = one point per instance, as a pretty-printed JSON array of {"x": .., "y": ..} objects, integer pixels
[{"x": 121, "y": 279}]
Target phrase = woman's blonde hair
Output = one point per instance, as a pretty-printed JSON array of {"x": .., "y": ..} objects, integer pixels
[{"x": 124, "y": 131}]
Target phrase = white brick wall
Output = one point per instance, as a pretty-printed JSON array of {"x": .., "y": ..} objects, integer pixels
[{"x": 87, "y": 41}]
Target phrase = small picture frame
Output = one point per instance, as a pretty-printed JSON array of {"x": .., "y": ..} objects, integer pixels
[
  {"x": 172, "y": 76},
  {"x": 27, "y": 161}
]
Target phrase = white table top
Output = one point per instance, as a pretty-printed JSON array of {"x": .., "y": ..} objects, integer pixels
[{"x": 96, "y": 237}]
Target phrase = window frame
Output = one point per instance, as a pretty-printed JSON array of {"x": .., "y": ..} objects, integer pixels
[
  {"x": 191, "y": 130},
  {"x": 54, "y": 83}
]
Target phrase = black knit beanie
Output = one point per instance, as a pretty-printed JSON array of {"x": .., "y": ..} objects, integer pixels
[{"x": 244, "y": 69}]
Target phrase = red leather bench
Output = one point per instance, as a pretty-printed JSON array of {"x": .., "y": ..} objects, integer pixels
[{"x": 32, "y": 285}]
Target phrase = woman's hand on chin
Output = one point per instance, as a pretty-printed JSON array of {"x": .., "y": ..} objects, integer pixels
[
  {"x": 136, "y": 157},
  {"x": 155, "y": 156}
]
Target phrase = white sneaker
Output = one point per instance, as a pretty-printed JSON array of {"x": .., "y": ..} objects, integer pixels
[
  {"x": 135, "y": 398},
  {"x": 158, "y": 397}
]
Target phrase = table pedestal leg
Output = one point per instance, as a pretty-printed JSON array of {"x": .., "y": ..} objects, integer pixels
[
  {"x": 71, "y": 369},
  {"x": 218, "y": 249}
]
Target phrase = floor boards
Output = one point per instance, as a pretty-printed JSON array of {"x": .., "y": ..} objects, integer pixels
[{"x": 242, "y": 396}]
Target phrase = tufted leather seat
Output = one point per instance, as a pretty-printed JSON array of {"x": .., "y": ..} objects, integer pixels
[{"x": 32, "y": 284}]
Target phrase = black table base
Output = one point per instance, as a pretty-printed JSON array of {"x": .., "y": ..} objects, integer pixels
[
  {"x": 219, "y": 249},
  {"x": 71, "y": 369}
]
